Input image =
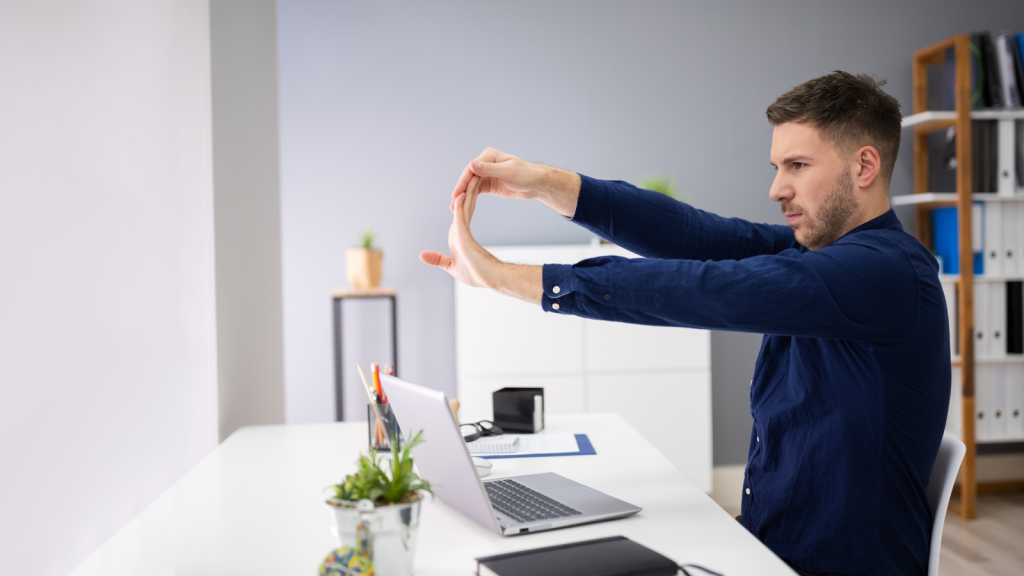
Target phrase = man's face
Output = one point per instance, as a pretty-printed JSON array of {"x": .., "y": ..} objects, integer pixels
[{"x": 813, "y": 185}]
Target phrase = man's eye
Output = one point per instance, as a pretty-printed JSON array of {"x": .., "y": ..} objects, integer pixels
[{"x": 799, "y": 165}]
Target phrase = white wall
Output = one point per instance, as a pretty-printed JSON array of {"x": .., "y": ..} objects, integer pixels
[
  {"x": 107, "y": 329},
  {"x": 250, "y": 341}
]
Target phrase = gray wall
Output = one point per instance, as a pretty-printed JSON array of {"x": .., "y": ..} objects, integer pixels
[
  {"x": 382, "y": 105},
  {"x": 250, "y": 358}
]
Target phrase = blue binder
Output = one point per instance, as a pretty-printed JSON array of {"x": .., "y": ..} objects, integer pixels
[{"x": 947, "y": 239}]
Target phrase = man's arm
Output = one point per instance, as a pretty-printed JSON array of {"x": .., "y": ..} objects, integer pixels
[
  {"x": 656, "y": 226},
  {"x": 845, "y": 290},
  {"x": 647, "y": 223}
]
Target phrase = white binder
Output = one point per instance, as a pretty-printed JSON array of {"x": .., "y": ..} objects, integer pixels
[
  {"x": 1015, "y": 401},
  {"x": 994, "y": 253},
  {"x": 982, "y": 402},
  {"x": 982, "y": 327},
  {"x": 1011, "y": 224},
  {"x": 996, "y": 318},
  {"x": 997, "y": 401}
]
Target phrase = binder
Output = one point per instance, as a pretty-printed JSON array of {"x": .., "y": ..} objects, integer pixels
[
  {"x": 1015, "y": 401},
  {"x": 982, "y": 326},
  {"x": 994, "y": 83},
  {"x": 1014, "y": 318},
  {"x": 946, "y": 233},
  {"x": 1011, "y": 221},
  {"x": 982, "y": 401},
  {"x": 1004, "y": 48},
  {"x": 997, "y": 320},
  {"x": 997, "y": 401},
  {"x": 993, "y": 218}
]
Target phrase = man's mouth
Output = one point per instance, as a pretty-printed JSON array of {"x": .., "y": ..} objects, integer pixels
[{"x": 793, "y": 218}]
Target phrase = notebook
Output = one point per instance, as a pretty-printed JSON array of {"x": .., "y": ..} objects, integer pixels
[
  {"x": 615, "y": 556},
  {"x": 494, "y": 445}
]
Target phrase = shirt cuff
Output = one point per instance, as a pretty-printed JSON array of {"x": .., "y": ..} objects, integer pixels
[
  {"x": 589, "y": 202},
  {"x": 557, "y": 280}
]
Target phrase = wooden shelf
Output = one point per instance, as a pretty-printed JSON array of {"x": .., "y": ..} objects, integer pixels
[
  {"x": 933, "y": 120},
  {"x": 939, "y": 199}
]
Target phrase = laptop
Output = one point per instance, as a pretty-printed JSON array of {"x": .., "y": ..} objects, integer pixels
[{"x": 508, "y": 506}]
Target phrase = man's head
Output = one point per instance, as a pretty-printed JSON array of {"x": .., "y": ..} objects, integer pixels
[{"x": 834, "y": 146}]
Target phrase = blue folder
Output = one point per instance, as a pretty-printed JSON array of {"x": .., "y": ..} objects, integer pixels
[{"x": 586, "y": 449}]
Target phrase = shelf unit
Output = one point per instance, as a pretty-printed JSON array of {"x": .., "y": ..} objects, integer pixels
[{"x": 923, "y": 122}]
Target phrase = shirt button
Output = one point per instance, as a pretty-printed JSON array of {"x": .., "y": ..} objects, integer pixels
[
  {"x": 748, "y": 491},
  {"x": 556, "y": 289},
  {"x": 554, "y": 306},
  {"x": 607, "y": 296},
  {"x": 758, "y": 438}
]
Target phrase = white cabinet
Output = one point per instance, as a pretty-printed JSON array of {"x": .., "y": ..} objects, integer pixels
[{"x": 658, "y": 378}]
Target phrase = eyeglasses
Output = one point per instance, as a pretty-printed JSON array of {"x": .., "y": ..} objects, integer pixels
[{"x": 476, "y": 430}]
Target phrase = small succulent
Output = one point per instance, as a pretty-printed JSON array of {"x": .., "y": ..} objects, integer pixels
[
  {"x": 384, "y": 486},
  {"x": 366, "y": 239},
  {"x": 663, "y": 185}
]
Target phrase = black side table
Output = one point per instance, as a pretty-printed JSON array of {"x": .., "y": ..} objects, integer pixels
[{"x": 338, "y": 296}]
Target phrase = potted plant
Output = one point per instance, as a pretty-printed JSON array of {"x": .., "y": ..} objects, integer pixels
[
  {"x": 363, "y": 262},
  {"x": 377, "y": 509}
]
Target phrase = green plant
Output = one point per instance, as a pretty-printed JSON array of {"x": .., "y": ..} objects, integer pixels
[
  {"x": 663, "y": 185},
  {"x": 366, "y": 239},
  {"x": 382, "y": 486}
]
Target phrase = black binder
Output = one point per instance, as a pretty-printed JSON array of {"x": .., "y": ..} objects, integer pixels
[{"x": 615, "y": 556}]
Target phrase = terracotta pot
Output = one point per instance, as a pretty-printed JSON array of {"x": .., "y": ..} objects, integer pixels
[{"x": 362, "y": 267}]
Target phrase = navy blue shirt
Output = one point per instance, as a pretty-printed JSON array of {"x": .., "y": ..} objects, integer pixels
[{"x": 851, "y": 388}]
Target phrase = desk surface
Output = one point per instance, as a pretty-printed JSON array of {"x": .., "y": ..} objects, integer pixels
[{"x": 253, "y": 506}]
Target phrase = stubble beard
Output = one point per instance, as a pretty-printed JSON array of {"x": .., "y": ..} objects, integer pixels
[{"x": 828, "y": 224}]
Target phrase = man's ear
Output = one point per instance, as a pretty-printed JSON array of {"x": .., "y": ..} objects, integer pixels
[{"x": 869, "y": 164}]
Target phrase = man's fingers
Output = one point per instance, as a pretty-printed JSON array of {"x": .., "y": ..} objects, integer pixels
[
  {"x": 460, "y": 186},
  {"x": 485, "y": 169},
  {"x": 435, "y": 259},
  {"x": 472, "y": 193}
]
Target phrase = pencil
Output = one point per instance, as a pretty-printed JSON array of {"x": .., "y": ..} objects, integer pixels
[{"x": 373, "y": 401}]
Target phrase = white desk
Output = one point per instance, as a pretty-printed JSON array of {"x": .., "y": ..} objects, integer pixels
[{"x": 253, "y": 507}]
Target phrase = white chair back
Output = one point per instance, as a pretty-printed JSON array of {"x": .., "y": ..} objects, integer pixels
[{"x": 940, "y": 486}]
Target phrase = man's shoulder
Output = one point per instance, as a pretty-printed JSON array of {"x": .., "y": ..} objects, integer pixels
[{"x": 894, "y": 247}]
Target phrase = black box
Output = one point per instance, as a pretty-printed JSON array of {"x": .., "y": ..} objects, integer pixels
[{"x": 519, "y": 410}]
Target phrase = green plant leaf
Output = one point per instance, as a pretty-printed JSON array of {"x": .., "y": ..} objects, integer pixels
[{"x": 663, "y": 185}]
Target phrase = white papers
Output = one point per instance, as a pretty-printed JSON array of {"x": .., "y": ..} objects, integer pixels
[
  {"x": 506, "y": 444},
  {"x": 536, "y": 444}
]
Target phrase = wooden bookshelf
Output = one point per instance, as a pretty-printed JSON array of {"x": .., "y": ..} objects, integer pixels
[{"x": 924, "y": 122}]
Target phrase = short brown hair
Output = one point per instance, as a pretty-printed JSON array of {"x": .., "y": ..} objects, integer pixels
[{"x": 848, "y": 111}]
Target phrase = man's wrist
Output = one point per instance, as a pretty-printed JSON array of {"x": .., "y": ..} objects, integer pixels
[
  {"x": 560, "y": 190},
  {"x": 520, "y": 281}
]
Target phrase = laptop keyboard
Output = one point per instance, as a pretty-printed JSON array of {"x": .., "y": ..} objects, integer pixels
[{"x": 521, "y": 504}]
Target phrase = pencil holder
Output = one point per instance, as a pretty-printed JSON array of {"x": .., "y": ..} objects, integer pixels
[{"x": 381, "y": 430}]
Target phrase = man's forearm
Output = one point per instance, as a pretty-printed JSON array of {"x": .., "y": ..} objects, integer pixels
[
  {"x": 520, "y": 281},
  {"x": 560, "y": 191}
]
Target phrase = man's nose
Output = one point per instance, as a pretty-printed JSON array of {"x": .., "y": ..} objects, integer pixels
[{"x": 780, "y": 190}]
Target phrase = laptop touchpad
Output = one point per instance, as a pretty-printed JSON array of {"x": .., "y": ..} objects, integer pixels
[{"x": 548, "y": 482}]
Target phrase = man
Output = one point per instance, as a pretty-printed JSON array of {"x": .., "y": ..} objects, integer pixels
[{"x": 851, "y": 387}]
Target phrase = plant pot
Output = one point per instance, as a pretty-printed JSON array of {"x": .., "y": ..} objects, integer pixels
[
  {"x": 362, "y": 267},
  {"x": 393, "y": 531}
]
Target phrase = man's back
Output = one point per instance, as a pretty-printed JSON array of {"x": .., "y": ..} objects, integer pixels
[
  {"x": 851, "y": 388},
  {"x": 846, "y": 431}
]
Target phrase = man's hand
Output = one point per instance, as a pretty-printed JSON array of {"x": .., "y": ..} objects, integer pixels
[
  {"x": 506, "y": 176},
  {"x": 469, "y": 262},
  {"x": 474, "y": 266}
]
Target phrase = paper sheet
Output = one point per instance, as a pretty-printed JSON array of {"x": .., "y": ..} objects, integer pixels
[{"x": 541, "y": 444}]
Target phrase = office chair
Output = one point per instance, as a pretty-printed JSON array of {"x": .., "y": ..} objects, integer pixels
[{"x": 940, "y": 486}]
